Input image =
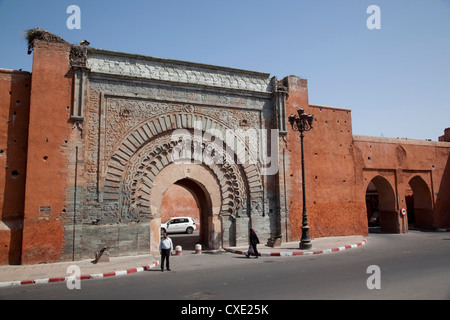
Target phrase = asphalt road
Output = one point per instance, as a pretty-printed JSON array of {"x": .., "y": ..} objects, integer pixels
[{"x": 411, "y": 266}]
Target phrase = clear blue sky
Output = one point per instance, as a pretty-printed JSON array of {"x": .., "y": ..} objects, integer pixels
[{"x": 396, "y": 80}]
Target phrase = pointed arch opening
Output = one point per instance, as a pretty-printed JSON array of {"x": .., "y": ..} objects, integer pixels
[
  {"x": 419, "y": 204},
  {"x": 203, "y": 186},
  {"x": 380, "y": 203},
  {"x": 186, "y": 208}
]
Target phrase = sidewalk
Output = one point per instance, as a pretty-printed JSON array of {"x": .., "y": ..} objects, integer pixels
[
  {"x": 119, "y": 266},
  {"x": 55, "y": 272},
  {"x": 319, "y": 245}
]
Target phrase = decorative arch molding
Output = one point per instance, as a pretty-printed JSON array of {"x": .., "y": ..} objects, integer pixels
[{"x": 149, "y": 147}]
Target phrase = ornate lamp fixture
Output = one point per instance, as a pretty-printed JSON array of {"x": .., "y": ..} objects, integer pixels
[{"x": 303, "y": 122}]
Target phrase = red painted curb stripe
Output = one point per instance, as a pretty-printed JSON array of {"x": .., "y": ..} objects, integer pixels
[
  {"x": 83, "y": 277},
  {"x": 109, "y": 274},
  {"x": 299, "y": 253}
]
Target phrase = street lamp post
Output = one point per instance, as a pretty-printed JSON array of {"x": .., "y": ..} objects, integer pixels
[{"x": 303, "y": 122}]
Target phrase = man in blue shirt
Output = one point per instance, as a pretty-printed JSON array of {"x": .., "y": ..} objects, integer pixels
[{"x": 165, "y": 248}]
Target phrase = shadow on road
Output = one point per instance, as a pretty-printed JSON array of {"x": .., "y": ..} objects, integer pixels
[{"x": 186, "y": 241}]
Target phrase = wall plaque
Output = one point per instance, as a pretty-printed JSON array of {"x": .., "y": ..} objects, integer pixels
[{"x": 44, "y": 209}]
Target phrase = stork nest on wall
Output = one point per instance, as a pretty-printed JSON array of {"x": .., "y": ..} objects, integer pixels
[{"x": 40, "y": 34}]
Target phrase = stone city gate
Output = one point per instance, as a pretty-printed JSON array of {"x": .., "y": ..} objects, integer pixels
[
  {"x": 126, "y": 111},
  {"x": 146, "y": 152},
  {"x": 106, "y": 134}
]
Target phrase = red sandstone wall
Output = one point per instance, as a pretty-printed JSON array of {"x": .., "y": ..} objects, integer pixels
[
  {"x": 178, "y": 202},
  {"x": 14, "y": 113},
  {"x": 339, "y": 168},
  {"x": 442, "y": 210},
  {"x": 336, "y": 208},
  {"x": 330, "y": 177},
  {"x": 49, "y": 130},
  {"x": 298, "y": 97},
  {"x": 446, "y": 136},
  {"x": 422, "y": 164}
]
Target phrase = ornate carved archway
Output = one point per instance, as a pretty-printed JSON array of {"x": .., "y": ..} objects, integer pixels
[{"x": 155, "y": 144}]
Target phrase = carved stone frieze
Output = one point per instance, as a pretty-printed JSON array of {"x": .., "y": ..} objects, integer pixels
[
  {"x": 104, "y": 62},
  {"x": 78, "y": 56},
  {"x": 164, "y": 92},
  {"x": 123, "y": 114}
]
